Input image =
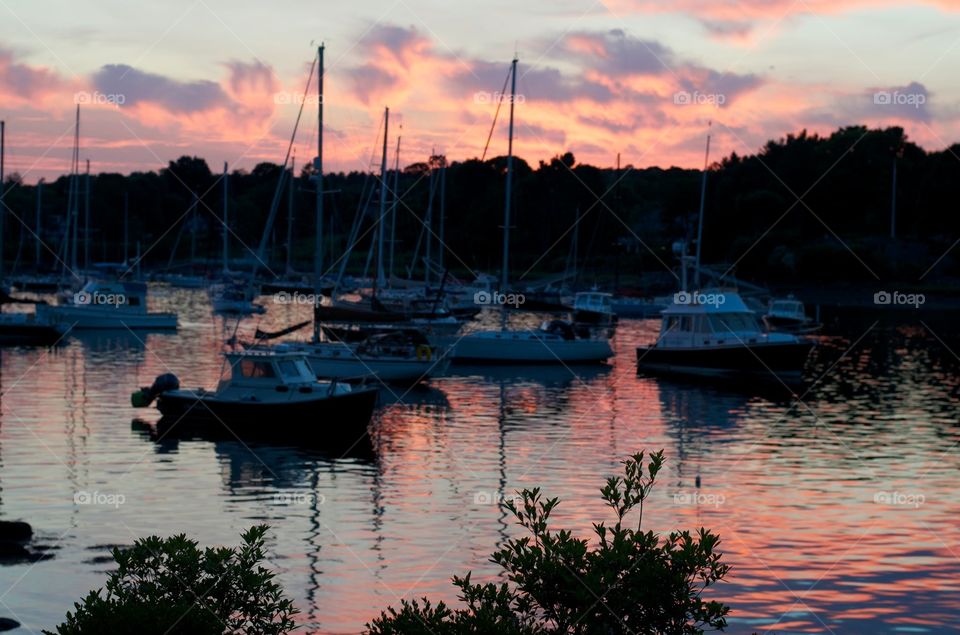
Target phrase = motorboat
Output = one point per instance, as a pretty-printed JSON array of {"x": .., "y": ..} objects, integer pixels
[
  {"x": 594, "y": 308},
  {"x": 400, "y": 356},
  {"x": 638, "y": 308},
  {"x": 268, "y": 394},
  {"x": 555, "y": 342},
  {"x": 788, "y": 315},
  {"x": 715, "y": 334},
  {"x": 107, "y": 305}
]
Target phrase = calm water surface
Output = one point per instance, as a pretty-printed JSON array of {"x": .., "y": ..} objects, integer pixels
[{"x": 838, "y": 513}]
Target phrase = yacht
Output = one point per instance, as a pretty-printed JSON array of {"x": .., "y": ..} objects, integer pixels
[
  {"x": 268, "y": 394},
  {"x": 107, "y": 305},
  {"x": 788, "y": 315},
  {"x": 593, "y": 307},
  {"x": 715, "y": 334},
  {"x": 401, "y": 356}
]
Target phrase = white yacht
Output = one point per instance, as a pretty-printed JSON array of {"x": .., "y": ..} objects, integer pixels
[
  {"x": 107, "y": 305},
  {"x": 788, "y": 315},
  {"x": 593, "y": 307},
  {"x": 556, "y": 342},
  {"x": 234, "y": 299}
]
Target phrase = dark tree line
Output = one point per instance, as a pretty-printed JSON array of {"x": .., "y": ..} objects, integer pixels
[{"x": 793, "y": 211}]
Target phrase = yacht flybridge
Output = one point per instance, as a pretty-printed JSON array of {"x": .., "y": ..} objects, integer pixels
[{"x": 714, "y": 334}]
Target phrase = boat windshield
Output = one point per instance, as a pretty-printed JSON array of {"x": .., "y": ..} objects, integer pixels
[
  {"x": 250, "y": 368},
  {"x": 734, "y": 322},
  {"x": 787, "y": 307}
]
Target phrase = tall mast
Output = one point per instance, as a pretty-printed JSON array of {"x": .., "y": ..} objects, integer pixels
[
  {"x": 504, "y": 275},
  {"x": 86, "y": 218},
  {"x": 3, "y": 188},
  {"x": 76, "y": 191},
  {"x": 36, "y": 242},
  {"x": 381, "y": 276},
  {"x": 428, "y": 234},
  {"x": 318, "y": 178},
  {"x": 443, "y": 211},
  {"x": 126, "y": 229},
  {"x": 290, "y": 193},
  {"x": 703, "y": 198},
  {"x": 393, "y": 208},
  {"x": 226, "y": 219}
]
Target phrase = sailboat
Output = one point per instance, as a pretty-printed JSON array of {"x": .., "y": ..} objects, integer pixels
[
  {"x": 398, "y": 356},
  {"x": 556, "y": 342}
]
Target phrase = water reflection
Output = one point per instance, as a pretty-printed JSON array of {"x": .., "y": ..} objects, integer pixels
[{"x": 810, "y": 493}]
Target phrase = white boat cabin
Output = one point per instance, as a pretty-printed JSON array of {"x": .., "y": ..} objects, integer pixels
[
  {"x": 267, "y": 370},
  {"x": 724, "y": 320},
  {"x": 789, "y": 309}
]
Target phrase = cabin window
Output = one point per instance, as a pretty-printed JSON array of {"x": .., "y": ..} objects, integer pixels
[
  {"x": 254, "y": 369},
  {"x": 288, "y": 368},
  {"x": 686, "y": 323},
  {"x": 673, "y": 322},
  {"x": 735, "y": 322}
]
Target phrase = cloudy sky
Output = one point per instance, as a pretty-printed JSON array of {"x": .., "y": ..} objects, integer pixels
[{"x": 222, "y": 80}]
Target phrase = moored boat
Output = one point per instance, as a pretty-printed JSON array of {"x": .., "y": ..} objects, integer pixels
[
  {"x": 272, "y": 395},
  {"x": 107, "y": 305},
  {"x": 716, "y": 334}
]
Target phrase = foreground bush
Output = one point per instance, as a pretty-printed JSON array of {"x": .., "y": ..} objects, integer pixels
[
  {"x": 169, "y": 586},
  {"x": 630, "y": 581}
]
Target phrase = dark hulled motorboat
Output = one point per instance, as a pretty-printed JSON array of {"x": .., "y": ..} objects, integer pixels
[
  {"x": 715, "y": 334},
  {"x": 269, "y": 396}
]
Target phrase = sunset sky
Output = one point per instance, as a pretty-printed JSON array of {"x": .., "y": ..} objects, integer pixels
[{"x": 220, "y": 80}]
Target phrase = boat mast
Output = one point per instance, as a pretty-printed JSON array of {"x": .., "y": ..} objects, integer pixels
[
  {"x": 36, "y": 242},
  {"x": 381, "y": 276},
  {"x": 3, "y": 189},
  {"x": 428, "y": 234},
  {"x": 226, "y": 220},
  {"x": 86, "y": 218},
  {"x": 703, "y": 198},
  {"x": 504, "y": 275},
  {"x": 126, "y": 229},
  {"x": 318, "y": 178},
  {"x": 393, "y": 208},
  {"x": 443, "y": 207},
  {"x": 290, "y": 192},
  {"x": 74, "y": 213}
]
